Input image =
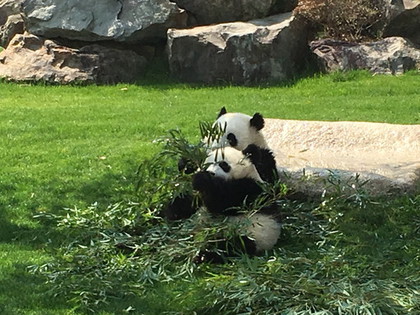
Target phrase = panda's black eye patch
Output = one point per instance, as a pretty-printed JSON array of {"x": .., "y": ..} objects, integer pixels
[
  {"x": 233, "y": 142},
  {"x": 224, "y": 166}
]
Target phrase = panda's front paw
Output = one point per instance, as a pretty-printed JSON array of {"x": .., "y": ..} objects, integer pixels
[
  {"x": 208, "y": 257},
  {"x": 185, "y": 165},
  {"x": 201, "y": 180},
  {"x": 180, "y": 208}
]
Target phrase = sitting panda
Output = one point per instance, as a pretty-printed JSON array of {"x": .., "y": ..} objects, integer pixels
[
  {"x": 229, "y": 182},
  {"x": 241, "y": 130}
]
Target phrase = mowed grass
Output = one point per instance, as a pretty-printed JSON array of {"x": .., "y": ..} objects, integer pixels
[{"x": 65, "y": 146}]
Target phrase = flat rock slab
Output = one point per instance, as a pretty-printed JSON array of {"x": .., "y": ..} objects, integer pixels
[{"x": 386, "y": 155}]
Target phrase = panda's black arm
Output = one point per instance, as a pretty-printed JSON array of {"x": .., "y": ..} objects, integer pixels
[
  {"x": 220, "y": 195},
  {"x": 264, "y": 161}
]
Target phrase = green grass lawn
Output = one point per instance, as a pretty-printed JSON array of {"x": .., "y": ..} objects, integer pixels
[{"x": 65, "y": 146}]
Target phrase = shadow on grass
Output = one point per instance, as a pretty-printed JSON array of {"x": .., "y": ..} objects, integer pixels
[
  {"x": 24, "y": 293},
  {"x": 19, "y": 221},
  {"x": 157, "y": 75},
  {"x": 29, "y": 238},
  {"x": 109, "y": 188}
]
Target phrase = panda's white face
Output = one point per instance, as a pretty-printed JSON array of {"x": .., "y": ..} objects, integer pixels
[
  {"x": 229, "y": 163},
  {"x": 239, "y": 133}
]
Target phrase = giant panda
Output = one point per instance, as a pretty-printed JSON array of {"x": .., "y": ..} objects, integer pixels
[
  {"x": 230, "y": 182},
  {"x": 240, "y": 130}
]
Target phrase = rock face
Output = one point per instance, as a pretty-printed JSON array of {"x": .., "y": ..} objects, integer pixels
[
  {"x": 218, "y": 11},
  {"x": 270, "y": 49},
  {"x": 11, "y": 21},
  {"x": 385, "y": 154},
  {"x": 393, "y": 8},
  {"x": 281, "y": 6},
  {"x": 92, "y": 20},
  {"x": 407, "y": 23},
  {"x": 31, "y": 58},
  {"x": 393, "y": 55},
  {"x": 258, "y": 48}
]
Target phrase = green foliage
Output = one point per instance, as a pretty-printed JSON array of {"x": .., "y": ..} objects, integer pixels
[
  {"x": 336, "y": 255},
  {"x": 79, "y": 147},
  {"x": 352, "y": 20},
  {"x": 120, "y": 250},
  {"x": 347, "y": 264}
]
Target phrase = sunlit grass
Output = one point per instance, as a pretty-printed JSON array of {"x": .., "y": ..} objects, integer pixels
[{"x": 65, "y": 146}]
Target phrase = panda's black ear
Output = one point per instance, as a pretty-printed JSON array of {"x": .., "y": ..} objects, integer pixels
[
  {"x": 257, "y": 121},
  {"x": 222, "y": 112}
]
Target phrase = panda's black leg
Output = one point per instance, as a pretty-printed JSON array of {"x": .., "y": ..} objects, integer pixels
[
  {"x": 203, "y": 181},
  {"x": 249, "y": 245},
  {"x": 238, "y": 245},
  {"x": 181, "y": 207},
  {"x": 206, "y": 256},
  {"x": 227, "y": 249}
]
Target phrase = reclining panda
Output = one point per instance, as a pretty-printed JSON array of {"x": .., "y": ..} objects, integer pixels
[{"x": 229, "y": 182}]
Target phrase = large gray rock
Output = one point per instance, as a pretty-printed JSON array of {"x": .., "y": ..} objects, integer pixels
[
  {"x": 93, "y": 20},
  {"x": 393, "y": 55},
  {"x": 406, "y": 23},
  {"x": 218, "y": 11},
  {"x": 32, "y": 58},
  {"x": 313, "y": 154},
  {"x": 281, "y": 6},
  {"x": 11, "y": 21},
  {"x": 270, "y": 49},
  {"x": 393, "y": 8}
]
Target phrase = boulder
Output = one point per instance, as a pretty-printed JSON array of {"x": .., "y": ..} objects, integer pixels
[
  {"x": 11, "y": 21},
  {"x": 92, "y": 20},
  {"x": 390, "y": 9},
  {"x": 282, "y": 6},
  {"x": 392, "y": 55},
  {"x": 406, "y": 23},
  {"x": 409, "y": 4},
  {"x": 314, "y": 155},
  {"x": 270, "y": 49},
  {"x": 219, "y": 11},
  {"x": 393, "y": 8},
  {"x": 32, "y": 58}
]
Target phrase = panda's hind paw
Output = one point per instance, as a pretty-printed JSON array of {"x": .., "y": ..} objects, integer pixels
[{"x": 206, "y": 256}]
